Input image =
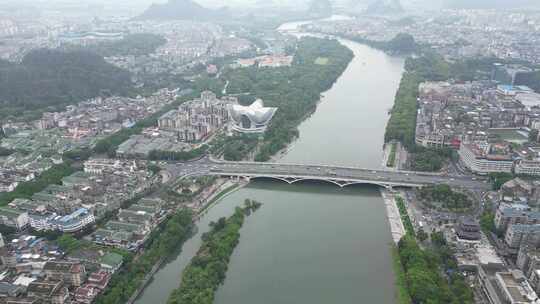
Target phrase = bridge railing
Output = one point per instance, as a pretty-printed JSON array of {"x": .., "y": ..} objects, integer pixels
[{"x": 262, "y": 164}]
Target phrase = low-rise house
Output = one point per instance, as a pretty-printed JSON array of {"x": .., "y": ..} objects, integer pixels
[
  {"x": 23, "y": 300},
  {"x": 13, "y": 218},
  {"x": 85, "y": 294},
  {"x": 99, "y": 279},
  {"x": 510, "y": 214},
  {"x": 111, "y": 262},
  {"x": 73, "y": 274},
  {"x": 518, "y": 234},
  {"x": 9, "y": 290},
  {"x": 49, "y": 291},
  {"x": 518, "y": 189}
]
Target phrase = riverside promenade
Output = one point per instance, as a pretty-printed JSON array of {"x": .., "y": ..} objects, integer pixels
[{"x": 394, "y": 218}]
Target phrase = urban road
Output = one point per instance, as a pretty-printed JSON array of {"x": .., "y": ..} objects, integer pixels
[{"x": 340, "y": 176}]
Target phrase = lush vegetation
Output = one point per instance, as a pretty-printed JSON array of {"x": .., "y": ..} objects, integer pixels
[
  {"x": 178, "y": 155},
  {"x": 428, "y": 159},
  {"x": 443, "y": 196},
  {"x": 50, "y": 79},
  {"x": 405, "y": 219},
  {"x": 403, "y": 296},
  {"x": 390, "y": 162},
  {"x": 533, "y": 136},
  {"x": 164, "y": 240},
  {"x": 132, "y": 44},
  {"x": 68, "y": 243},
  {"x": 461, "y": 292},
  {"x": 5, "y": 152},
  {"x": 487, "y": 222},
  {"x": 207, "y": 269},
  {"x": 26, "y": 189},
  {"x": 498, "y": 179},
  {"x": 401, "y": 44},
  {"x": 238, "y": 147},
  {"x": 402, "y": 123},
  {"x": 294, "y": 90},
  {"x": 425, "y": 280}
]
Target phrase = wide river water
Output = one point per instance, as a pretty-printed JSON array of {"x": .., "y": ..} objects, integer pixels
[{"x": 313, "y": 243}]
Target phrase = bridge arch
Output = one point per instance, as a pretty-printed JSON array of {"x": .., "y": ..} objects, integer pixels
[
  {"x": 343, "y": 183},
  {"x": 339, "y": 183}
]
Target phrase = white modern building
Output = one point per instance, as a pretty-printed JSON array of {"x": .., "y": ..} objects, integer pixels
[
  {"x": 528, "y": 167},
  {"x": 73, "y": 222},
  {"x": 478, "y": 159},
  {"x": 251, "y": 119}
]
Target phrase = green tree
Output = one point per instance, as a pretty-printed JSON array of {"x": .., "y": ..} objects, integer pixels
[
  {"x": 421, "y": 235},
  {"x": 68, "y": 243},
  {"x": 498, "y": 179},
  {"x": 533, "y": 136}
]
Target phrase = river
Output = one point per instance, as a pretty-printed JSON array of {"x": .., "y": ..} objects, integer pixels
[{"x": 313, "y": 243}]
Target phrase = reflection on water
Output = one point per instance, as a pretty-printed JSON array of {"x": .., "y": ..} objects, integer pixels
[{"x": 313, "y": 242}]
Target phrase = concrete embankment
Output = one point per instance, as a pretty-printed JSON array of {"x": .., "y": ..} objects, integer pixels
[{"x": 392, "y": 212}]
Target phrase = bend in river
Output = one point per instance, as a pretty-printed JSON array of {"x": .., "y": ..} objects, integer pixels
[{"x": 314, "y": 243}]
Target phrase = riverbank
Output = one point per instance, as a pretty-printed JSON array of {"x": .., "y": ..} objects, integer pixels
[
  {"x": 353, "y": 110},
  {"x": 211, "y": 198},
  {"x": 295, "y": 91},
  {"x": 131, "y": 278},
  {"x": 402, "y": 292},
  {"x": 394, "y": 217},
  {"x": 207, "y": 269},
  {"x": 225, "y": 190}
]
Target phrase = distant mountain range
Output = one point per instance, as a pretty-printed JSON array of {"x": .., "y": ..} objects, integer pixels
[
  {"x": 385, "y": 7},
  {"x": 440, "y": 4},
  {"x": 320, "y": 7},
  {"x": 498, "y": 4},
  {"x": 182, "y": 9}
]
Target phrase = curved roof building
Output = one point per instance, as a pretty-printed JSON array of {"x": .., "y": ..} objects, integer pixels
[{"x": 251, "y": 119}]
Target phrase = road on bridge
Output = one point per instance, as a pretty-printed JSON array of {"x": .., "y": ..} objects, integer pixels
[{"x": 338, "y": 175}]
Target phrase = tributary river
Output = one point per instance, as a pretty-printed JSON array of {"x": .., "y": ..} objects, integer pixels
[{"x": 313, "y": 243}]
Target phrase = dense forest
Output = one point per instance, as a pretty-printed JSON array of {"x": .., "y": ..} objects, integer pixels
[
  {"x": 208, "y": 267},
  {"x": 294, "y": 90},
  {"x": 49, "y": 79},
  {"x": 132, "y": 44},
  {"x": 401, "y": 44}
]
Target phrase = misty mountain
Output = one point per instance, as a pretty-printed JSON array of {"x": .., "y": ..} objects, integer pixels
[
  {"x": 182, "y": 9},
  {"x": 320, "y": 7},
  {"x": 385, "y": 7},
  {"x": 496, "y": 4}
]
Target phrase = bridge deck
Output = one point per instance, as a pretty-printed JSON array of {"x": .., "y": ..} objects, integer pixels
[{"x": 339, "y": 175}]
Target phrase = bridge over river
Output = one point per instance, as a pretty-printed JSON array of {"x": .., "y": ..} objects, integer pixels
[{"x": 340, "y": 176}]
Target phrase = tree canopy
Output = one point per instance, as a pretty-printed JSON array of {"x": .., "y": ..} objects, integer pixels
[{"x": 50, "y": 79}]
